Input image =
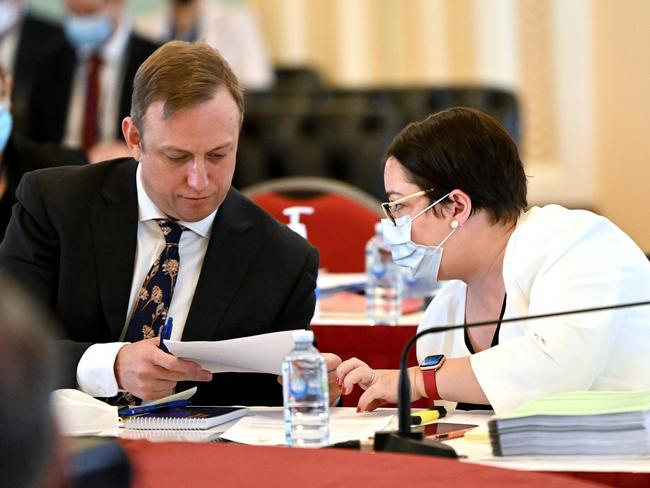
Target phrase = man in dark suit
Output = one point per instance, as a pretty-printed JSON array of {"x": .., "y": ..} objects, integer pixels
[
  {"x": 24, "y": 39},
  {"x": 98, "y": 39},
  {"x": 19, "y": 155},
  {"x": 84, "y": 240}
]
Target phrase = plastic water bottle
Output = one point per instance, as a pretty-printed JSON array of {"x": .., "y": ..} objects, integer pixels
[
  {"x": 384, "y": 283},
  {"x": 418, "y": 287},
  {"x": 306, "y": 394}
]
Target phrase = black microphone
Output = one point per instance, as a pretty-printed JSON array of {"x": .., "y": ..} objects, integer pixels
[{"x": 406, "y": 441}]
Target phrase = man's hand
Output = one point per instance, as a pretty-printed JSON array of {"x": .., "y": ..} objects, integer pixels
[
  {"x": 147, "y": 372},
  {"x": 105, "y": 150}
]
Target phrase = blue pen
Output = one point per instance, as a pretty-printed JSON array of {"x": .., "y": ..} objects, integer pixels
[
  {"x": 130, "y": 412},
  {"x": 165, "y": 333}
]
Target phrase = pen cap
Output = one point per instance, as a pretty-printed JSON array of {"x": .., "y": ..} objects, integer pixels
[
  {"x": 294, "y": 214},
  {"x": 301, "y": 336}
]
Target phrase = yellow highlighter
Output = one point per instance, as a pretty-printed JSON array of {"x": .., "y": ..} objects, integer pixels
[{"x": 425, "y": 416}]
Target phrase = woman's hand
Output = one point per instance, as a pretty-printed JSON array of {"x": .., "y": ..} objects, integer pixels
[
  {"x": 332, "y": 361},
  {"x": 380, "y": 384}
]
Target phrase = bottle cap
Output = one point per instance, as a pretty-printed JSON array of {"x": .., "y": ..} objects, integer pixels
[
  {"x": 302, "y": 336},
  {"x": 294, "y": 214}
]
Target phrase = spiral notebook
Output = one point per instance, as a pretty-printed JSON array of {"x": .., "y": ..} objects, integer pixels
[{"x": 185, "y": 418}]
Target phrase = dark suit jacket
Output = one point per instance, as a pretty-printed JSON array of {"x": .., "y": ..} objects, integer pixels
[
  {"x": 72, "y": 241},
  {"x": 47, "y": 112},
  {"x": 22, "y": 155},
  {"x": 37, "y": 36}
]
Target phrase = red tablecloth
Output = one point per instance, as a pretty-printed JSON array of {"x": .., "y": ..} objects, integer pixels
[
  {"x": 175, "y": 465},
  {"x": 378, "y": 345}
]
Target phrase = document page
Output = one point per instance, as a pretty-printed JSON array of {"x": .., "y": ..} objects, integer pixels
[
  {"x": 255, "y": 354},
  {"x": 345, "y": 425}
]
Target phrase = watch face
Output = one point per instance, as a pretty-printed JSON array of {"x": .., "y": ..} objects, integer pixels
[{"x": 432, "y": 362}]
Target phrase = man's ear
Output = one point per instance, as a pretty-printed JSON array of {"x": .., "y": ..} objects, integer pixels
[
  {"x": 460, "y": 207},
  {"x": 132, "y": 137}
]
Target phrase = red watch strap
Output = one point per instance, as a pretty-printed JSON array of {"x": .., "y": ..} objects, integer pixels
[{"x": 430, "y": 384}]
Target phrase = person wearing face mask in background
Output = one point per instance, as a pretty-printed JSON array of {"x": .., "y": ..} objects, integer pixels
[
  {"x": 84, "y": 88},
  {"x": 458, "y": 212},
  {"x": 19, "y": 155},
  {"x": 227, "y": 26},
  {"x": 24, "y": 39}
]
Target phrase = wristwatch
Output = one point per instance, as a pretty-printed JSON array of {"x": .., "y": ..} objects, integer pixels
[{"x": 429, "y": 366}]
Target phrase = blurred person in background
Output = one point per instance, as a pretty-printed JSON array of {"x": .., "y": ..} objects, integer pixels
[
  {"x": 229, "y": 28},
  {"x": 30, "y": 449},
  {"x": 19, "y": 155},
  {"x": 24, "y": 39},
  {"x": 84, "y": 88}
]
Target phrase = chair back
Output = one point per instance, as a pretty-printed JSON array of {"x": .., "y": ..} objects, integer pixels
[
  {"x": 343, "y": 134},
  {"x": 342, "y": 223}
]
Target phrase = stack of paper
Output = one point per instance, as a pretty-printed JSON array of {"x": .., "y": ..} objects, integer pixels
[
  {"x": 253, "y": 354},
  {"x": 611, "y": 423},
  {"x": 345, "y": 425}
]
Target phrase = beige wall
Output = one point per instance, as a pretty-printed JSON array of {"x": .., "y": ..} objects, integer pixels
[
  {"x": 622, "y": 76},
  {"x": 581, "y": 69}
]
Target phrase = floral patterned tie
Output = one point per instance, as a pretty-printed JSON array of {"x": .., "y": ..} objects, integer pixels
[{"x": 156, "y": 291}]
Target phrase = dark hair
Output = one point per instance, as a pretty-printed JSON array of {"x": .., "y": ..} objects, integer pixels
[
  {"x": 465, "y": 149},
  {"x": 181, "y": 74},
  {"x": 29, "y": 373}
]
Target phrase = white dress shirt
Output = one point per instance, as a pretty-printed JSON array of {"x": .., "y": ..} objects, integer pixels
[
  {"x": 95, "y": 371},
  {"x": 8, "y": 46},
  {"x": 113, "y": 55},
  {"x": 557, "y": 260}
]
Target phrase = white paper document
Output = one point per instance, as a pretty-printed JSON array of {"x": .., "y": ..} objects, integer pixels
[
  {"x": 255, "y": 354},
  {"x": 345, "y": 425}
]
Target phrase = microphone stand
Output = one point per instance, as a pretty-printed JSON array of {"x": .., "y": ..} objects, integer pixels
[{"x": 406, "y": 441}]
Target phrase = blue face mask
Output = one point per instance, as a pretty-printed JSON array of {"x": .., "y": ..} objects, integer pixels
[
  {"x": 6, "y": 124},
  {"x": 88, "y": 32},
  {"x": 423, "y": 261}
]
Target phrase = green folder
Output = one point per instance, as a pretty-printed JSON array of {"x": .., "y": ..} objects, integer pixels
[{"x": 583, "y": 403}]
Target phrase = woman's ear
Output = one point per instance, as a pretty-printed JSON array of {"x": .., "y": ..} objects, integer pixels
[{"x": 460, "y": 207}]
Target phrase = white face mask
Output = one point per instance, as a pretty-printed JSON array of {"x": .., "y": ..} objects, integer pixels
[{"x": 423, "y": 261}]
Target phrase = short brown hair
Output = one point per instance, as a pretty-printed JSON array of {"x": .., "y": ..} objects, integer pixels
[
  {"x": 469, "y": 150},
  {"x": 181, "y": 74}
]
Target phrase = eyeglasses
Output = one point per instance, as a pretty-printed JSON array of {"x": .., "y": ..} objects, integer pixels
[{"x": 391, "y": 209}]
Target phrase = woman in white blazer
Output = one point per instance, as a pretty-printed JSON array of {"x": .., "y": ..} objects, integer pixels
[{"x": 457, "y": 212}]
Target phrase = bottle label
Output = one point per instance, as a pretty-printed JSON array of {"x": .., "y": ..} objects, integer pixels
[{"x": 298, "y": 388}]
